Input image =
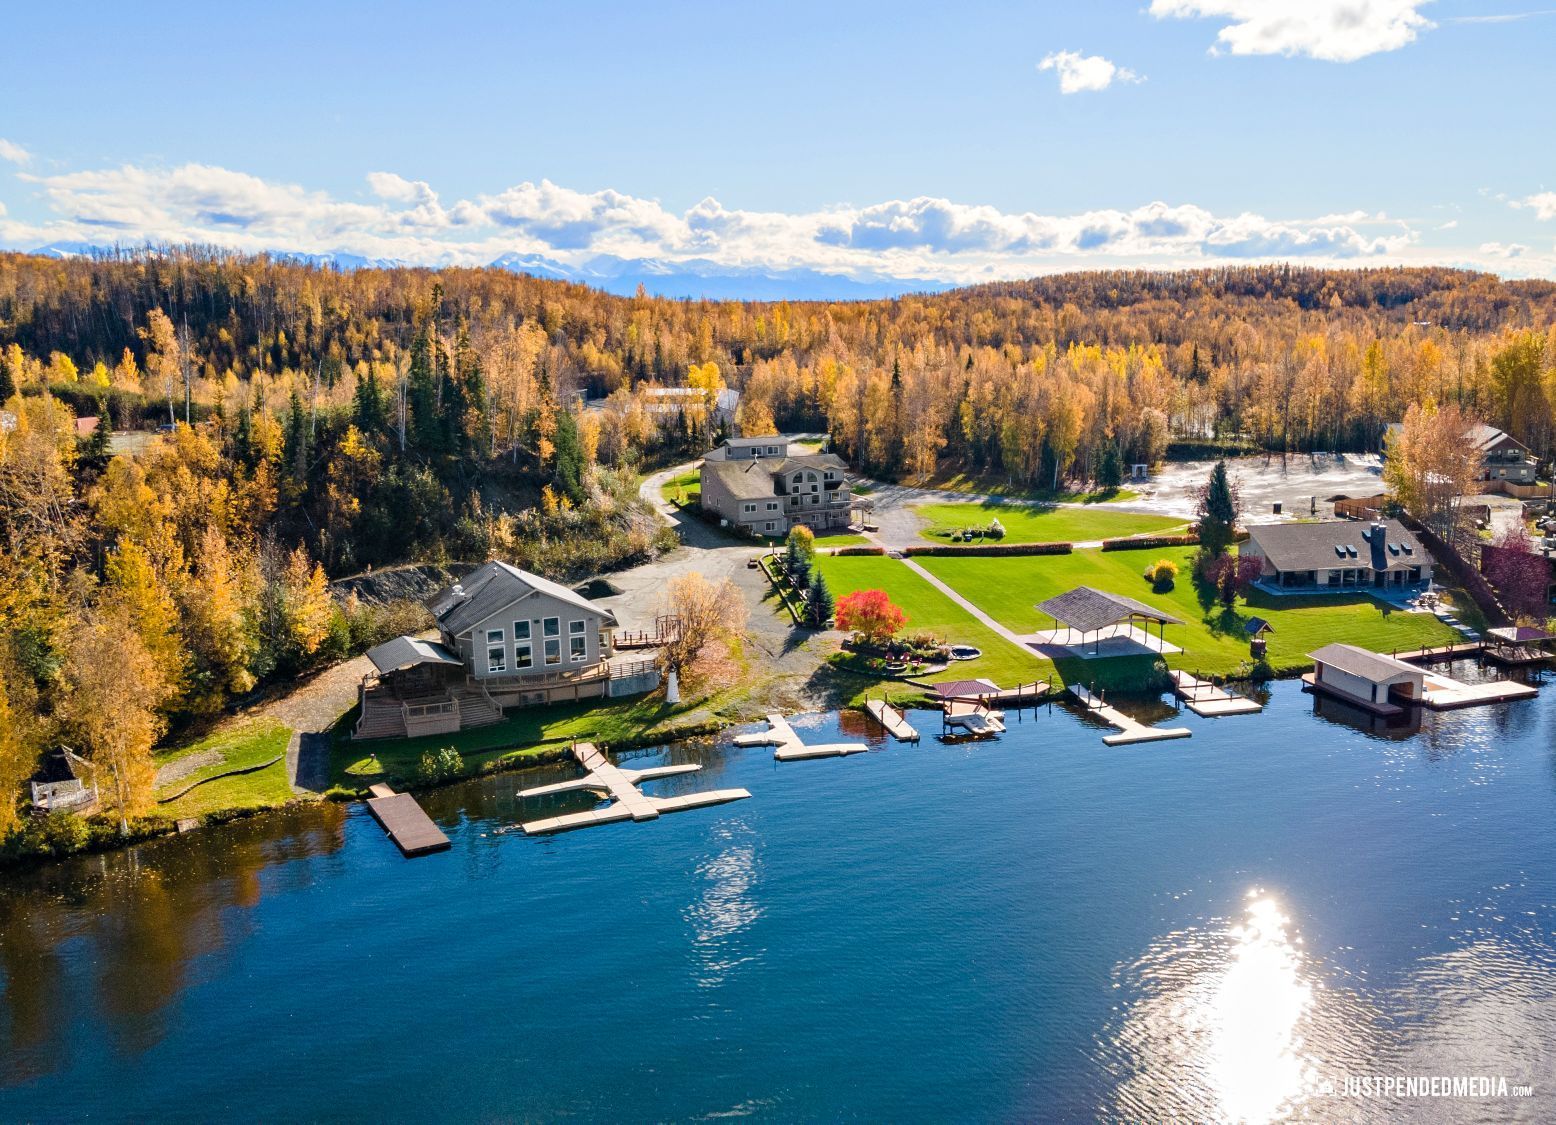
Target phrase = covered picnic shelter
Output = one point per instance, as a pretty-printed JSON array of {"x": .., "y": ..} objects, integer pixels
[{"x": 1088, "y": 615}]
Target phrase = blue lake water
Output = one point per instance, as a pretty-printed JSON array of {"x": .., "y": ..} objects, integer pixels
[{"x": 1039, "y": 927}]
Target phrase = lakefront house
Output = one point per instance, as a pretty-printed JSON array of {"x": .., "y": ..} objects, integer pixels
[
  {"x": 1331, "y": 556},
  {"x": 505, "y": 638},
  {"x": 1504, "y": 459},
  {"x": 756, "y": 485}
]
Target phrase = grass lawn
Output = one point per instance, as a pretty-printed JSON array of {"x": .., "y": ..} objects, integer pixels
[
  {"x": 242, "y": 744},
  {"x": 1039, "y": 523},
  {"x": 688, "y": 484},
  {"x": 525, "y": 731},
  {"x": 1213, "y": 640},
  {"x": 845, "y": 539},
  {"x": 929, "y": 610}
]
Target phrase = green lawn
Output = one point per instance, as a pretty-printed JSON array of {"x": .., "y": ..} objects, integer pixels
[
  {"x": 1039, "y": 523},
  {"x": 609, "y": 722},
  {"x": 687, "y": 485},
  {"x": 931, "y": 611},
  {"x": 1213, "y": 639},
  {"x": 241, "y": 744},
  {"x": 845, "y": 539}
]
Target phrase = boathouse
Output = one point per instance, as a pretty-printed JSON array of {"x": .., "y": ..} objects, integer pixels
[{"x": 1368, "y": 679}]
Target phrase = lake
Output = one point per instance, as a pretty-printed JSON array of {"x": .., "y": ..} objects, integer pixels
[{"x": 1038, "y": 927}]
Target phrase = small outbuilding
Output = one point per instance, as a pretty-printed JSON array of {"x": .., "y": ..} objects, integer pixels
[{"x": 1370, "y": 680}]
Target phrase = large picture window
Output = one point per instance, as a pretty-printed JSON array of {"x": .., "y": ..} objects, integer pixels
[
  {"x": 496, "y": 651},
  {"x": 553, "y": 650},
  {"x": 577, "y": 640}
]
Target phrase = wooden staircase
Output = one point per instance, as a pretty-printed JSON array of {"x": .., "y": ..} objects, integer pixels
[{"x": 475, "y": 710}]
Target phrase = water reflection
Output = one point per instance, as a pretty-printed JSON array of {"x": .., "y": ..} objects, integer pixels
[
  {"x": 121, "y": 933},
  {"x": 1231, "y": 1023},
  {"x": 727, "y": 907}
]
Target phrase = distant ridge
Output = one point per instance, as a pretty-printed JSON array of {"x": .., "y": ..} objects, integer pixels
[{"x": 692, "y": 279}]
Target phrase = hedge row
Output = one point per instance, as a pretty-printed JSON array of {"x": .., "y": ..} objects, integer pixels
[
  {"x": 993, "y": 549},
  {"x": 859, "y": 550},
  {"x": 1140, "y": 542}
]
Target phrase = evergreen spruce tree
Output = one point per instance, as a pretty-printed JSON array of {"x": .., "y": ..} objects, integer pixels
[
  {"x": 368, "y": 409},
  {"x": 1218, "y": 505},
  {"x": 7, "y": 381},
  {"x": 819, "y": 605},
  {"x": 296, "y": 448},
  {"x": 1110, "y": 474},
  {"x": 569, "y": 466}
]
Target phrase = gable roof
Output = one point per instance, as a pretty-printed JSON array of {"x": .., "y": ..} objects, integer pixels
[
  {"x": 492, "y": 587},
  {"x": 1088, "y": 609},
  {"x": 744, "y": 480},
  {"x": 408, "y": 652},
  {"x": 1373, "y": 666},
  {"x": 808, "y": 461},
  {"x": 1319, "y": 546},
  {"x": 1256, "y": 625},
  {"x": 965, "y": 689}
]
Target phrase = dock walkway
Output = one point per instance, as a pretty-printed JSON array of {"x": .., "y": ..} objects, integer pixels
[
  {"x": 620, "y": 787},
  {"x": 788, "y": 747},
  {"x": 405, "y": 821},
  {"x": 1207, "y": 700},
  {"x": 893, "y": 720},
  {"x": 1129, "y": 730}
]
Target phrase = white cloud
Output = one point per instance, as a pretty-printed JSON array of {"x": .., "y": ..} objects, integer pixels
[
  {"x": 14, "y": 153},
  {"x": 1504, "y": 250},
  {"x": 1078, "y": 72},
  {"x": 1333, "y": 30},
  {"x": 1543, "y": 204},
  {"x": 921, "y": 237}
]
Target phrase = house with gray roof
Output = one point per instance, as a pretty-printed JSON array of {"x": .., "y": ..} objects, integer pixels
[
  {"x": 505, "y": 638},
  {"x": 1503, "y": 457},
  {"x": 1332, "y": 556},
  {"x": 756, "y": 485}
]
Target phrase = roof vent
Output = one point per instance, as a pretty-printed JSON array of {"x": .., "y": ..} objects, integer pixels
[
  {"x": 458, "y": 592},
  {"x": 1339, "y": 549},
  {"x": 1409, "y": 548}
]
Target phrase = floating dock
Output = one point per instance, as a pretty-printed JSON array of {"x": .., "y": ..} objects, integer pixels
[
  {"x": 1435, "y": 653},
  {"x": 406, "y": 823},
  {"x": 1129, "y": 730},
  {"x": 621, "y": 788},
  {"x": 1445, "y": 694},
  {"x": 1207, "y": 700},
  {"x": 893, "y": 720},
  {"x": 970, "y": 718},
  {"x": 788, "y": 747}
]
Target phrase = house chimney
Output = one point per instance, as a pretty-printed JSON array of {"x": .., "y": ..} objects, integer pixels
[
  {"x": 458, "y": 592},
  {"x": 1379, "y": 533}
]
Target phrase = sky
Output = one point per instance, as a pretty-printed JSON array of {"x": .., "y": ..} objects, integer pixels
[{"x": 959, "y": 142}]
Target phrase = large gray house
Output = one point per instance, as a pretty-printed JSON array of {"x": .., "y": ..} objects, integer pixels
[
  {"x": 1335, "y": 555},
  {"x": 506, "y": 638},
  {"x": 754, "y": 484}
]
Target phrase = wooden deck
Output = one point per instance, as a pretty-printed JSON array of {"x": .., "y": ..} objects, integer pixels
[
  {"x": 1440, "y": 652},
  {"x": 1130, "y": 731},
  {"x": 406, "y": 823},
  {"x": 1207, "y": 700}
]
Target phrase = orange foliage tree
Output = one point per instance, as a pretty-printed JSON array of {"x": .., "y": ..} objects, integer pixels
[{"x": 871, "y": 614}]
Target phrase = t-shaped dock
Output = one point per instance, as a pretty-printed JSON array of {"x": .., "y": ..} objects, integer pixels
[{"x": 620, "y": 787}]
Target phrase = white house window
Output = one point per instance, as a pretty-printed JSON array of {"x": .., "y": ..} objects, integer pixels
[
  {"x": 496, "y": 651},
  {"x": 771, "y": 526},
  {"x": 551, "y": 627},
  {"x": 553, "y": 650},
  {"x": 577, "y": 640},
  {"x": 749, "y": 508}
]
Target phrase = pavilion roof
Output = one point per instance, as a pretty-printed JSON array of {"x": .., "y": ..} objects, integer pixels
[{"x": 1087, "y": 610}]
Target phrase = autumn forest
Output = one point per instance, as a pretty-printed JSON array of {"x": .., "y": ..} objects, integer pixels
[{"x": 279, "y": 426}]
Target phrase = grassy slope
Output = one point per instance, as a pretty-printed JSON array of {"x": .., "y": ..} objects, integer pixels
[
  {"x": 1027, "y": 523},
  {"x": 1213, "y": 639},
  {"x": 688, "y": 484},
  {"x": 930, "y": 610},
  {"x": 604, "y": 721},
  {"x": 246, "y": 744},
  {"x": 999, "y": 486}
]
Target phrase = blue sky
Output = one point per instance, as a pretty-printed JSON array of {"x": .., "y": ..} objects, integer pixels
[{"x": 897, "y": 139}]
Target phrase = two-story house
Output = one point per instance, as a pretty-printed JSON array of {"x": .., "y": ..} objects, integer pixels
[
  {"x": 506, "y": 638},
  {"x": 1503, "y": 457},
  {"x": 753, "y": 483}
]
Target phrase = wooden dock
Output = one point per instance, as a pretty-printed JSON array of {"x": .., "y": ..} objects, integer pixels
[
  {"x": 788, "y": 747},
  {"x": 1445, "y": 694},
  {"x": 1435, "y": 653},
  {"x": 406, "y": 823},
  {"x": 1130, "y": 731},
  {"x": 620, "y": 787},
  {"x": 970, "y": 718},
  {"x": 1207, "y": 700},
  {"x": 893, "y": 720}
]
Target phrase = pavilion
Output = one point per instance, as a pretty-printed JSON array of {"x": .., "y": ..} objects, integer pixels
[{"x": 1107, "y": 622}]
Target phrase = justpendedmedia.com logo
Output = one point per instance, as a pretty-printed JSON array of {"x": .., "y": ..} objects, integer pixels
[{"x": 1408, "y": 1086}]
